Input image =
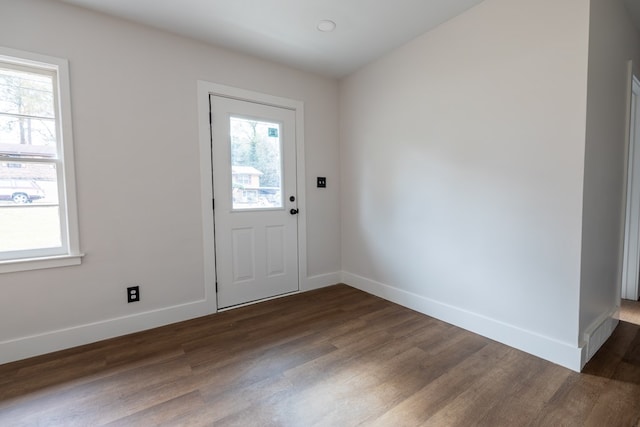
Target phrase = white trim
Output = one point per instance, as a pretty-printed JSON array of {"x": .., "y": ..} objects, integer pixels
[
  {"x": 14, "y": 265},
  {"x": 35, "y": 345},
  {"x": 258, "y": 301},
  {"x": 206, "y": 194},
  {"x": 548, "y": 348},
  {"x": 320, "y": 281},
  {"x": 205, "y": 90},
  {"x": 67, "y": 147},
  {"x": 22, "y": 57},
  {"x": 598, "y": 333},
  {"x": 631, "y": 241}
]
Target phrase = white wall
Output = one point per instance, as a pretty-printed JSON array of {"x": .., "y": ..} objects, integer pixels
[
  {"x": 462, "y": 160},
  {"x": 613, "y": 40},
  {"x": 137, "y": 157}
]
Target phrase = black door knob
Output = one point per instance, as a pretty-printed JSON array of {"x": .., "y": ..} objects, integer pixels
[{"x": 293, "y": 211}]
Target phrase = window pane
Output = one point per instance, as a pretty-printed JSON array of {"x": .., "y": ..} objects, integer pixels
[
  {"x": 29, "y": 137},
  {"x": 29, "y": 211},
  {"x": 27, "y": 114},
  {"x": 28, "y": 183},
  {"x": 256, "y": 164},
  {"x": 25, "y": 93},
  {"x": 28, "y": 227}
]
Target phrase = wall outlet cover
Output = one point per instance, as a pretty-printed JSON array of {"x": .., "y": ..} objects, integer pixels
[{"x": 133, "y": 293}]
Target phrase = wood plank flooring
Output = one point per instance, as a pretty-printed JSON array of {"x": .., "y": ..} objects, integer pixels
[{"x": 331, "y": 357}]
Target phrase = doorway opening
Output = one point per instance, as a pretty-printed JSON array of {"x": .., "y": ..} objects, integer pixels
[{"x": 631, "y": 256}]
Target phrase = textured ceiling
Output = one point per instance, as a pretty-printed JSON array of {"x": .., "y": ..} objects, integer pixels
[{"x": 285, "y": 30}]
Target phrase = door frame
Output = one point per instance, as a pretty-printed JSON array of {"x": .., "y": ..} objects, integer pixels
[
  {"x": 205, "y": 90},
  {"x": 631, "y": 250}
]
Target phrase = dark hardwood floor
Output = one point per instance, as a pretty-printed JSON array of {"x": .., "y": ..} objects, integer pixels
[{"x": 331, "y": 357}]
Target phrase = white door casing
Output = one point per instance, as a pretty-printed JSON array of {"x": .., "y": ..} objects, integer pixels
[
  {"x": 631, "y": 254},
  {"x": 256, "y": 238}
]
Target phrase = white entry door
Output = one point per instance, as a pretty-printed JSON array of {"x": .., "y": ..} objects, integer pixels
[{"x": 255, "y": 207}]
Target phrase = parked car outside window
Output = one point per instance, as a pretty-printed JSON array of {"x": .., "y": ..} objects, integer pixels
[{"x": 20, "y": 191}]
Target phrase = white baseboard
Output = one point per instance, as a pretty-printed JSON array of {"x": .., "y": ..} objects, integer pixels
[
  {"x": 320, "y": 281},
  {"x": 35, "y": 345},
  {"x": 48, "y": 342},
  {"x": 598, "y": 333},
  {"x": 547, "y": 348}
]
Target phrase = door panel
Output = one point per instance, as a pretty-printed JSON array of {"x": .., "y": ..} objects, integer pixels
[
  {"x": 254, "y": 170},
  {"x": 275, "y": 251},
  {"x": 244, "y": 254}
]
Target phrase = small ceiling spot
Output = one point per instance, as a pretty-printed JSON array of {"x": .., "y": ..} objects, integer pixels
[{"x": 326, "y": 26}]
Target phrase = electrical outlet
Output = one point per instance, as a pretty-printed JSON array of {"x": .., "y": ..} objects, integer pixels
[
  {"x": 322, "y": 182},
  {"x": 133, "y": 293}
]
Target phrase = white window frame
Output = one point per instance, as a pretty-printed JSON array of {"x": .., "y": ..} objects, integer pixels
[{"x": 70, "y": 253}]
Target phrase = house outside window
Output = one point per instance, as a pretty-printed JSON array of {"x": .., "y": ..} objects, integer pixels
[
  {"x": 243, "y": 179},
  {"x": 246, "y": 175},
  {"x": 38, "y": 214}
]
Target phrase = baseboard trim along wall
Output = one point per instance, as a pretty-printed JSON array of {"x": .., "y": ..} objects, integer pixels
[
  {"x": 544, "y": 347},
  {"x": 48, "y": 342},
  {"x": 320, "y": 281},
  {"x": 547, "y": 348},
  {"x": 598, "y": 333}
]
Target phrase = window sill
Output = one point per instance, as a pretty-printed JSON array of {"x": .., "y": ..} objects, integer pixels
[{"x": 27, "y": 264}]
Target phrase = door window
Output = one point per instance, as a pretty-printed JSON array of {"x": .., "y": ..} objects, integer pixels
[{"x": 256, "y": 164}]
